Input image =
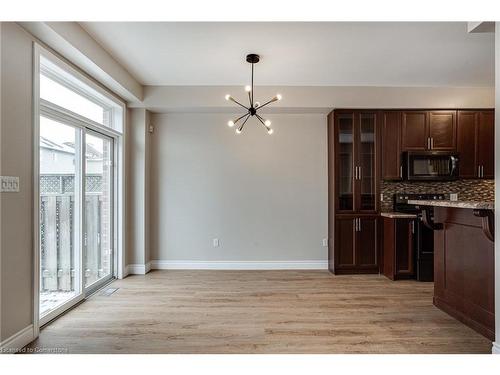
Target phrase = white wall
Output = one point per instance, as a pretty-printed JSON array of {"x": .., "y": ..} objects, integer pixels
[
  {"x": 138, "y": 167},
  {"x": 16, "y": 159},
  {"x": 264, "y": 197},
  {"x": 322, "y": 99}
]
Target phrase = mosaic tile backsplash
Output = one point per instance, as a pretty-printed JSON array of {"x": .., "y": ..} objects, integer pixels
[{"x": 467, "y": 190}]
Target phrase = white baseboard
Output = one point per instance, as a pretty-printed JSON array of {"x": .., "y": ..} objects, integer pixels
[
  {"x": 495, "y": 349},
  {"x": 18, "y": 340},
  {"x": 239, "y": 265},
  {"x": 138, "y": 269}
]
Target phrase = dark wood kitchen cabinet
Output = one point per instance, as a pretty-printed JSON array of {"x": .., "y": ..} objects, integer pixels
[
  {"x": 486, "y": 144},
  {"x": 464, "y": 267},
  {"x": 356, "y": 239},
  {"x": 443, "y": 130},
  {"x": 429, "y": 130},
  {"x": 475, "y": 143},
  {"x": 414, "y": 131},
  {"x": 398, "y": 248},
  {"x": 392, "y": 168},
  {"x": 353, "y": 162},
  {"x": 353, "y": 175}
]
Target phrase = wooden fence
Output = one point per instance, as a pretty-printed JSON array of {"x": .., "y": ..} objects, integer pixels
[{"x": 57, "y": 241}]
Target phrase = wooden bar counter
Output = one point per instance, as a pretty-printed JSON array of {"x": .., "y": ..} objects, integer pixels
[{"x": 464, "y": 261}]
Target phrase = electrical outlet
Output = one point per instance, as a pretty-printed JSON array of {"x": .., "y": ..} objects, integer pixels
[
  {"x": 215, "y": 242},
  {"x": 454, "y": 197},
  {"x": 9, "y": 184},
  {"x": 325, "y": 242}
]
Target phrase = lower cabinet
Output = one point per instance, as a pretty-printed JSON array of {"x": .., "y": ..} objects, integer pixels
[
  {"x": 398, "y": 248},
  {"x": 355, "y": 244}
]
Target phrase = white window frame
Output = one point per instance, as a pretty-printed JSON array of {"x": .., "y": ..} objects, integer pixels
[{"x": 43, "y": 107}]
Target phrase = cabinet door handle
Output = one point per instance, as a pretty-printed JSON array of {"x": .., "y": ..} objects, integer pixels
[
  {"x": 359, "y": 224},
  {"x": 479, "y": 171},
  {"x": 432, "y": 143},
  {"x": 359, "y": 173},
  {"x": 401, "y": 171},
  {"x": 355, "y": 225},
  {"x": 482, "y": 171},
  {"x": 428, "y": 143},
  {"x": 413, "y": 227}
]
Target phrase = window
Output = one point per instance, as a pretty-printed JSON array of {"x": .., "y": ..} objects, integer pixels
[
  {"x": 80, "y": 129},
  {"x": 61, "y": 90}
]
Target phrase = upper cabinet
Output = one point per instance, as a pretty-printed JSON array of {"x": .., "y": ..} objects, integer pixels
[
  {"x": 354, "y": 163},
  {"x": 415, "y": 135},
  {"x": 391, "y": 145},
  {"x": 414, "y": 130},
  {"x": 429, "y": 130},
  {"x": 475, "y": 143},
  {"x": 442, "y": 131}
]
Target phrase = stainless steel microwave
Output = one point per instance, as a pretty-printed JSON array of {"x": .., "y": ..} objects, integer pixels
[{"x": 430, "y": 166}]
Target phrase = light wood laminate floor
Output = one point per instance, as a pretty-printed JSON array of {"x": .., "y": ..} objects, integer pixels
[{"x": 261, "y": 312}]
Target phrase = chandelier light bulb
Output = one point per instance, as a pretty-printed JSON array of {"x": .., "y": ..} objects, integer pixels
[
  {"x": 257, "y": 104},
  {"x": 230, "y": 123},
  {"x": 268, "y": 123},
  {"x": 248, "y": 88},
  {"x": 279, "y": 97},
  {"x": 238, "y": 131},
  {"x": 228, "y": 97},
  {"x": 270, "y": 131}
]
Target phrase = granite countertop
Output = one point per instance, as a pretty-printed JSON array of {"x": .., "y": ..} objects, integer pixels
[
  {"x": 398, "y": 215},
  {"x": 455, "y": 204}
]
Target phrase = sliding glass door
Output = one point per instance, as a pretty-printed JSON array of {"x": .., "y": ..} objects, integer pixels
[
  {"x": 98, "y": 235},
  {"x": 78, "y": 124},
  {"x": 60, "y": 213},
  {"x": 76, "y": 214}
]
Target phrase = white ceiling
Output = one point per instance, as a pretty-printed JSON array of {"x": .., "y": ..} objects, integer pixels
[{"x": 300, "y": 54}]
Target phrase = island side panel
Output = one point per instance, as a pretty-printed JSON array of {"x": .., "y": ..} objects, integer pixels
[{"x": 464, "y": 269}]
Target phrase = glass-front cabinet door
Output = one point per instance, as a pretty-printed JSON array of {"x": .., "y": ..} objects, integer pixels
[
  {"x": 345, "y": 162},
  {"x": 366, "y": 162}
]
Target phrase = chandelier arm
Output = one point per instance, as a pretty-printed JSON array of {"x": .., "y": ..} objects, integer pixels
[
  {"x": 239, "y": 118},
  {"x": 262, "y": 121},
  {"x": 237, "y": 102},
  {"x": 244, "y": 122},
  {"x": 269, "y": 102},
  {"x": 250, "y": 99}
]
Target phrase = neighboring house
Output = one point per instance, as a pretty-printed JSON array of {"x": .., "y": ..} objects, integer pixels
[{"x": 57, "y": 167}]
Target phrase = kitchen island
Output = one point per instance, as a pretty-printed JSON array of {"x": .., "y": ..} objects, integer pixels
[{"x": 463, "y": 260}]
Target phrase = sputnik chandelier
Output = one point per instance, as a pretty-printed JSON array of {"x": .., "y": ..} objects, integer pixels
[{"x": 254, "y": 107}]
